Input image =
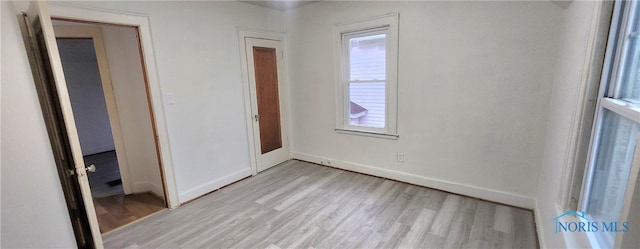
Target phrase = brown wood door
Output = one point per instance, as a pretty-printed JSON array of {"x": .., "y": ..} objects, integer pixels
[
  {"x": 268, "y": 102},
  {"x": 266, "y": 73}
]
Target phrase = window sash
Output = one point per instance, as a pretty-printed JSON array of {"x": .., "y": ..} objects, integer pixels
[
  {"x": 610, "y": 99},
  {"x": 376, "y": 116},
  {"x": 628, "y": 53},
  {"x": 346, "y": 55},
  {"x": 341, "y": 32},
  {"x": 346, "y": 78}
]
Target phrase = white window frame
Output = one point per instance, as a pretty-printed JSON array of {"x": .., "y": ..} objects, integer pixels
[
  {"x": 609, "y": 98},
  {"x": 389, "y": 23}
]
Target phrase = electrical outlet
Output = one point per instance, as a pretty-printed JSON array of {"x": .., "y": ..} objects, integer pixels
[{"x": 400, "y": 157}]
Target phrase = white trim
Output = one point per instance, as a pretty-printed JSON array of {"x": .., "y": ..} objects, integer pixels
[
  {"x": 39, "y": 12},
  {"x": 391, "y": 23},
  {"x": 608, "y": 73},
  {"x": 581, "y": 123},
  {"x": 624, "y": 46},
  {"x": 142, "y": 23},
  {"x": 622, "y": 108},
  {"x": 211, "y": 186},
  {"x": 608, "y": 84},
  {"x": 368, "y": 134},
  {"x": 453, "y": 187},
  {"x": 540, "y": 230},
  {"x": 243, "y": 34},
  {"x": 633, "y": 186},
  {"x": 141, "y": 187},
  {"x": 543, "y": 223},
  {"x": 608, "y": 99}
]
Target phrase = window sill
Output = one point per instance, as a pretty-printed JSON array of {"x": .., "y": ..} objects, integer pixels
[{"x": 369, "y": 134}]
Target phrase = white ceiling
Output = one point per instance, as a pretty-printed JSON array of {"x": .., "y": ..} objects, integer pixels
[{"x": 280, "y": 4}]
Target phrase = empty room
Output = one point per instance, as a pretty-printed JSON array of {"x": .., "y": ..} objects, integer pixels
[{"x": 320, "y": 124}]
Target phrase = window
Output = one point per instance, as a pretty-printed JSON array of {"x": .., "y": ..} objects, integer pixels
[
  {"x": 366, "y": 58},
  {"x": 614, "y": 141}
]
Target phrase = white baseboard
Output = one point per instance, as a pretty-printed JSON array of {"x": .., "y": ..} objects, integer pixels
[
  {"x": 457, "y": 188},
  {"x": 537, "y": 216},
  {"x": 213, "y": 185},
  {"x": 545, "y": 214},
  {"x": 141, "y": 187}
]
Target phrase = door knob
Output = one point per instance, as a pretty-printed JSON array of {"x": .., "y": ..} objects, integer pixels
[{"x": 91, "y": 168}]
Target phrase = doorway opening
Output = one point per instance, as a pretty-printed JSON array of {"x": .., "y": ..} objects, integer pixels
[
  {"x": 106, "y": 84},
  {"x": 49, "y": 78}
]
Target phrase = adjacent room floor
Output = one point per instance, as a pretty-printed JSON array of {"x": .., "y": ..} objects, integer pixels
[
  {"x": 118, "y": 210},
  {"x": 106, "y": 180},
  {"x": 113, "y": 208},
  {"x": 301, "y": 205}
]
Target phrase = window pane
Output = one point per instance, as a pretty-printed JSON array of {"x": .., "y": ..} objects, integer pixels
[
  {"x": 367, "y": 104},
  {"x": 615, "y": 150},
  {"x": 367, "y": 57},
  {"x": 630, "y": 85}
]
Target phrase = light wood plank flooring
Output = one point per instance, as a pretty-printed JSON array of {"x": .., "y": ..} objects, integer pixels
[
  {"x": 119, "y": 210},
  {"x": 302, "y": 205}
]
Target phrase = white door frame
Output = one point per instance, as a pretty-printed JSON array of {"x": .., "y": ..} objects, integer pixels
[
  {"x": 153, "y": 84},
  {"x": 244, "y": 33},
  {"x": 95, "y": 33}
]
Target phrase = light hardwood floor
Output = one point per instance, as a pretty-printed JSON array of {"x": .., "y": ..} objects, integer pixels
[
  {"x": 118, "y": 210},
  {"x": 302, "y": 205}
]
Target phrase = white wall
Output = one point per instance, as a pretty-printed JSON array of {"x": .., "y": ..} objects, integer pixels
[
  {"x": 565, "y": 104},
  {"x": 87, "y": 99},
  {"x": 473, "y": 82},
  {"x": 127, "y": 78},
  {"x": 474, "y": 79},
  {"x": 197, "y": 56},
  {"x": 34, "y": 213}
]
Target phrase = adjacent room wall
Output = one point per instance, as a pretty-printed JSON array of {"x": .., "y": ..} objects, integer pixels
[
  {"x": 34, "y": 212},
  {"x": 87, "y": 99},
  {"x": 565, "y": 105},
  {"x": 127, "y": 79},
  {"x": 474, "y": 80}
]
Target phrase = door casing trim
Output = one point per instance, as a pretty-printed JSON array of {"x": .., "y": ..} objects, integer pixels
[
  {"x": 61, "y": 11},
  {"x": 95, "y": 33},
  {"x": 244, "y": 33}
]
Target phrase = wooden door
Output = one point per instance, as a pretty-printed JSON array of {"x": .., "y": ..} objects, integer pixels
[
  {"x": 58, "y": 115},
  {"x": 264, "y": 61}
]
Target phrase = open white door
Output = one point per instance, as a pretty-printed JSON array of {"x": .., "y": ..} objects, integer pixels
[
  {"x": 264, "y": 63},
  {"x": 56, "y": 106}
]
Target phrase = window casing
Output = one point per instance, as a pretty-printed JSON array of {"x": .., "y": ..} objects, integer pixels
[
  {"x": 615, "y": 138},
  {"x": 366, "y": 54}
]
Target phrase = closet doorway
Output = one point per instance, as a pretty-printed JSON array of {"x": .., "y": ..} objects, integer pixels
[{"x": 106, "y": 84}]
